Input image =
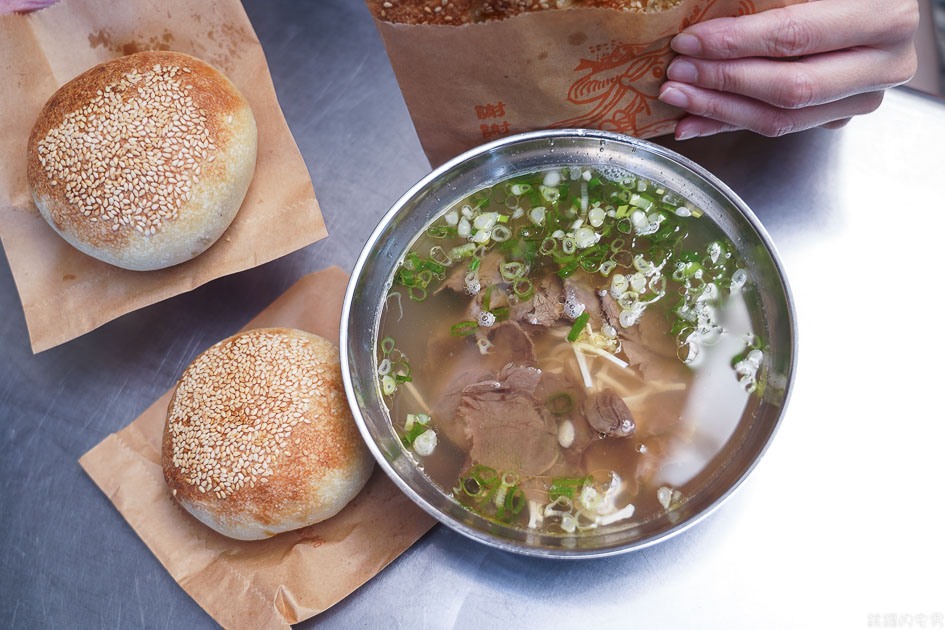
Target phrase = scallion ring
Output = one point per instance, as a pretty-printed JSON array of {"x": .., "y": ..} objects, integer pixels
[
  {"x": 463, "y": 329},
  {"x": 512, "y": 270},
  {"x": 500, "y": 233},
  {"x": 560, "y": 403},
  {"x": 523, "y": 289}
]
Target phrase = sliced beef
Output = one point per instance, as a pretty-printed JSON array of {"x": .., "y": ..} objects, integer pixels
[
  {"x": 580, "y": 293},
  {"x": 489, "y": 274},
  {"x": 510, "y": 344},
  {"x": 546, "y": 305},
  {"x": 650, "y": 348},
  {"x": 551, "y": 384},
  {"x": 610, "y": 310},
  {"x": 608, "y": 414},
  {"x": 444, "y": 408},
  {"x": 509, "y": 429}
]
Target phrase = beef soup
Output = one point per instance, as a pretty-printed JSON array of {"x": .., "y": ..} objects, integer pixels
[{"x": 570, "y": 350}]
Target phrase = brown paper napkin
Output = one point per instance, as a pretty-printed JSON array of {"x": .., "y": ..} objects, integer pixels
[
  {"x": 266, "y": 583},
  {"x": 587, "y": 68},
  {"x": 66, "y": 293}
]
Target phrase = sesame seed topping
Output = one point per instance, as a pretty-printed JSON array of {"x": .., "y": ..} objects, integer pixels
[
  {"x": 130, "y": 156},
  {"x": 236, "y": 406}
]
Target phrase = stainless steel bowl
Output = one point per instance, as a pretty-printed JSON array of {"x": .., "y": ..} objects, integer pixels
[{"x": 484, "y": 166}]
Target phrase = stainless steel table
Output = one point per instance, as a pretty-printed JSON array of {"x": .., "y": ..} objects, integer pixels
[{"x": 840, "y": 526}]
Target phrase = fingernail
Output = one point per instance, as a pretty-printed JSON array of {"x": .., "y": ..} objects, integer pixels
[
  {"x": 685, "y": 134},
  {"x": 682, "y": 70},
  {"x": 686, "y": 44},
  {"x": 675, "y": 96}
]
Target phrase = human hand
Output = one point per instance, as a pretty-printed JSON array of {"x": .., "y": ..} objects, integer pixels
[{"x": 790, "y": 69}]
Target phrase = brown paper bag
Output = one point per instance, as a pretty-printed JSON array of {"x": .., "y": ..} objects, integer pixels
[
  {"x": 588, "y": 68},
  {"x": 258, "y": 584},
  {"x": 66, "y": 293}
]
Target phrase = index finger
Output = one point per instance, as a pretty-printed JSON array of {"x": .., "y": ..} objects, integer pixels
[{"x": 800, "y": 29}]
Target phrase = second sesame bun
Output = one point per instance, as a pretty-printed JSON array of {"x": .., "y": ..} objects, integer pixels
[
  {"x": 143, "y": 161},
  {"x": 259, "y": 438}
]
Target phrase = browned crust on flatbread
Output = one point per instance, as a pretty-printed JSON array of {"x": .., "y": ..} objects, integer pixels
[
  {"x": 330, "y": 443},
  {"x": 213, "y": 92}
]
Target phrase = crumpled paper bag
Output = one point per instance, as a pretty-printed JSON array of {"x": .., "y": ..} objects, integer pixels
[
  {"x": 260, "y": 584},
  {"x": 587, "y": 68},
  {"x": 65, "y": 293}
]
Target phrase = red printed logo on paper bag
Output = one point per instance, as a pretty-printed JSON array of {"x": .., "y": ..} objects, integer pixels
[
  {"x": 620, "y": 82},
  {"x": 613, "y": 89}
]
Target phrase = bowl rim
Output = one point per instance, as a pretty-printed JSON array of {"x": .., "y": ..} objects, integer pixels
[{"x": 522, "y": 547}]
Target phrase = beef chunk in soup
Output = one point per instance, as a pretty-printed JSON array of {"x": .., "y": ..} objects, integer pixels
[
  {"x": 650, "y": 348},
  {"x": 444, "y": 410},
  {"x": 489, "y": 274},
  {"x": 545, "y": 307},
  {"x": 510, "y": 344},
  {"x": 552, "y": 384},
  {"x": 509, "y": 429},
  {"x": 578, "y": 293},
  {"x": 607, "y": 413},
  {"x": 610, "y": 310}
]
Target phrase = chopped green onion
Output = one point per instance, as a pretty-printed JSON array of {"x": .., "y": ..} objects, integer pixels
[
  {"x": 512, "y": 270},
  {"x": 465, "y": 482},
  {"x": 501, "y": 314},
  {"x": 500, "y": 233},
  {"x": 474, "y": 264},
  {"x": 484, "y": 475},
  {"x": 642, "y": 201},
  {"x": 441, "y": 231},
  {"x": 523, "y": 293},
  {"x": 560, "y": 491},
  {"x": 412, "y": 261},
  {"x": 622, "y": 211},
  {"x": 548, "y": 245},
  {"x": 387, "y": 345},
  {"x": 578, "y": 326},
  {"x": 550, "y": 194},
  {"x": 410, "y": 436},
  {"x": 403, "y": 376},
  {"x": 407, "y": 277},
  {"x": 519, "y": 189},
  {"x": 462, "y": 251},
  {"x": 439, "y": 255},
  {"x": 560, "y": 403},
  {"x": 515, "y": 500},
  {"x": 487, "y": 298},
  {"x": 388, "y": 385},
  {"x": 503, "y": 218},
  {"x": 568, "y": 269},
  {"x": 431, "y": 265},
  {"x": 417, "y": 294},
  {"x": 463, "y": 329}
]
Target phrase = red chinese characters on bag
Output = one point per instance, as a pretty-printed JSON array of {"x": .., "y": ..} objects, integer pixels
[{"x": 617, "y": 85}]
